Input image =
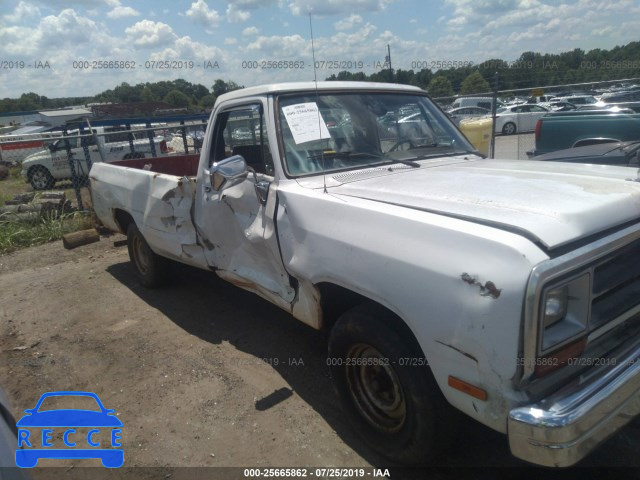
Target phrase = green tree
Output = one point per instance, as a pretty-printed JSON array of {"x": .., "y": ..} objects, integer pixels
[
  {"x": 439, "y": 86},
  {"x": 220, "y": 86},
  {"x": 474, "y": 83},
  {"x": 177, "y": 99},
  {"x": 207, "y": 101},
  {"x": 147, "y": 94}
]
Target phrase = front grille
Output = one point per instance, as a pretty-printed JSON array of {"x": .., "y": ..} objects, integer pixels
[{"x": 616, "y": 285}]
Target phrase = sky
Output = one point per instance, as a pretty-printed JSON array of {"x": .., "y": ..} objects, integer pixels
[{"x": 60, "y": 48}]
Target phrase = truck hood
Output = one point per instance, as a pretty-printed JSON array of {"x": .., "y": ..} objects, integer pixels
[
  {"x": 550, "y": 203},
  {"x": 37, "y": 156}
]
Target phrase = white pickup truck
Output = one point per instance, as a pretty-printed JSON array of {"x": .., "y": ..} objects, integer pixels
[
  {"x": 508, "y": 290},
  {"x": 43, "y": 168}
]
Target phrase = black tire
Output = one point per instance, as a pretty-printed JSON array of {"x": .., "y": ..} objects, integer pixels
[
  {"x": 509, "y": 128},
  {"x": 137, "y": 155},
  {"x": 40, "y": 178},
  {"x": 151, "y": 269},
  {"x": 397, "y": 408}
]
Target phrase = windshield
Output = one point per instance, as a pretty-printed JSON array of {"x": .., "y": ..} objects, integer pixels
[{"x": 336, "y": 131}]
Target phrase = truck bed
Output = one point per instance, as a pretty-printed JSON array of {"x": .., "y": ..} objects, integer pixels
[
  {"x": 157, "y": 193},
  {"x": 178, "y": 165}
]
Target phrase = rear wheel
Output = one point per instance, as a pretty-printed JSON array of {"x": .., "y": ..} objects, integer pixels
[
  {"x": 509, "y": 128},
  {"x": 386, "y": 388},
  {"x": 40, "y": 178},
  {"x": 151, "y": 269}
]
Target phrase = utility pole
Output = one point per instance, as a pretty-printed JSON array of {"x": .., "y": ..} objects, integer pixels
[
  {"x": 494, "y": 104},
  {"x": 388, "y": 60}
]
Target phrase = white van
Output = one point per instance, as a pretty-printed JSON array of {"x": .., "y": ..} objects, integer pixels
[{"x": 483, "y": 102}]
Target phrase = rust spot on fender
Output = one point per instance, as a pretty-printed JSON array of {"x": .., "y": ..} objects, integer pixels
[{"x": 489, "y": 288}]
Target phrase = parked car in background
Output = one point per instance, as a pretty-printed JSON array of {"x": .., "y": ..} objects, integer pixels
[
  {"x": 15, "y": 148},
  {"x": 623, "y": 107},
  {"x": 560, "y": 130},
  {"x": 518, "y": 118},
  {"x": 458, "y": 114},
  {"x": 616, "y": 97},
  {"x": 541, "y": 99},
  {"x": 614, "y": 153},
  {"x": 484, "y": 102},
  {"x": 558, "y": 106},
  {"x": 44, "y": 168},
  {"x": 577, "y": 99}
]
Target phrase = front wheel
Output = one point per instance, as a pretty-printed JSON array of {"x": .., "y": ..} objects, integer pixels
[
  {"x": 151, "y": 269},
  {"x": 509, "y": 128},
  {"x": 386, "y": 388},
  {"x": 40, "y": 178}
]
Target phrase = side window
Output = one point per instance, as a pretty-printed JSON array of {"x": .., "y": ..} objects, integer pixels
[
  {"x": 243, "y": 132},
  {"x": 73, "y": 143}
]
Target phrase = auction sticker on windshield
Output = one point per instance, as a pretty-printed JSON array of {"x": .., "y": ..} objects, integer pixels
[
  {"x": 69, "y": 425},
  {"x": 306, "y": 122}
]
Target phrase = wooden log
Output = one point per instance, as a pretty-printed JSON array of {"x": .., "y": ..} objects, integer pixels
[
  {"x": 21, "y": 198},
  {"x": 83, "y": 237}
]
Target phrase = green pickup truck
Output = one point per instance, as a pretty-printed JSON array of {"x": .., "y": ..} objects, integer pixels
[{"x": 562, "y": 130}]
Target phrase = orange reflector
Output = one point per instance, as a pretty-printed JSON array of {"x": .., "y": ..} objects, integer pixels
[{"x": 467, "y": 388}]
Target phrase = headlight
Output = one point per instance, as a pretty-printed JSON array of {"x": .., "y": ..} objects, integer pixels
[
  {"x": 564, "y": 311},
  {"x": 555, "y": 306}
]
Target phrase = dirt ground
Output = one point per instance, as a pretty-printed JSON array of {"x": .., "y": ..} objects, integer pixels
[{"x": 201, "y": 373}]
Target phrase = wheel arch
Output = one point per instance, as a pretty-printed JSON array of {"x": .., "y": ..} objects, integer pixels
[
  {"x": 123, "y": 219},
  {"x": 336, "y": 300}
]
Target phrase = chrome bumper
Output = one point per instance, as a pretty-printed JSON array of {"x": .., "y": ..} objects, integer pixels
[{"x": 563, "y": 428}]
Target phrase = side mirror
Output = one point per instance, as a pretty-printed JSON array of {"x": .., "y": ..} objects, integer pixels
[
  {"x": 228, "y": 172},
  {"x": 52, "y": 147}
]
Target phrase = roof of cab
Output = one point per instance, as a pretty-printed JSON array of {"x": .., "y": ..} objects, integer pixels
[{"x": 312, "y": 87}]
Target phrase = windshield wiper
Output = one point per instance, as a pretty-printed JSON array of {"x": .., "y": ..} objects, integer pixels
[{"x": 405, "y": 161}]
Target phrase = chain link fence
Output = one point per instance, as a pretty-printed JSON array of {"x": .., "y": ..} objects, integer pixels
[
  {"x": 62, "y": 160},
  {"x": 513, "y": 134}
]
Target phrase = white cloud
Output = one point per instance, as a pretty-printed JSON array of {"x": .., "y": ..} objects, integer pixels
[
  {"x": 281, "y": 47},
  {"x": 250, "y": 31},
  {"x": 237, "y": 15},
  {"x": 348, "y": 23},
  {"x": 251, "y": 4},
  {"x": 113, "y": 3},
  {"x": 147, "y": 33},
  {"x": 23, "y": 10},
  {"x": 121, "y": 12},
  {"x": 230, "y": 41},
  {"x": 200, "y": 13},
  {"x": 332, "y": 7},
  {"x": 186, "y": 48}
]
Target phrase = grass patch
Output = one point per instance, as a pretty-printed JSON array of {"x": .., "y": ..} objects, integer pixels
[
  {"x": 17, "y": 234},
  {"x": 13, "y": 185}
]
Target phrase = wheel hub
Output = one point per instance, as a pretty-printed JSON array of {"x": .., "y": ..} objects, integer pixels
[{"x": 375, "y": 388}]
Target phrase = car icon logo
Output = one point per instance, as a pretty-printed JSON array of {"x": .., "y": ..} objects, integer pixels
[{"x": 93, "y": 428}]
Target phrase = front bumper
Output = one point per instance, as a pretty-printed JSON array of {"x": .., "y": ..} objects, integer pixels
[{"x": 563, "y": 428}]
